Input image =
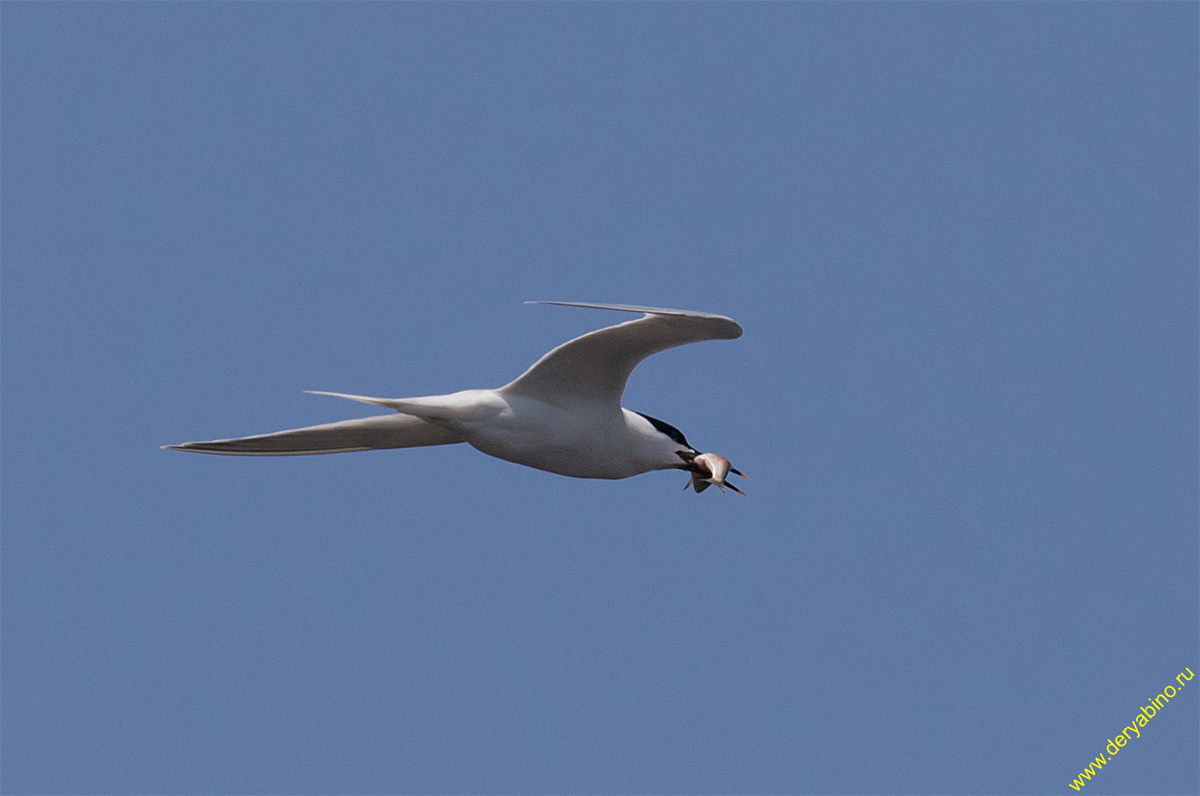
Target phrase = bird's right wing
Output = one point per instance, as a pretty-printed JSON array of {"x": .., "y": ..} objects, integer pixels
[
  {"x": 593, "y": 369},
  {"x": 368, "y": 433}
]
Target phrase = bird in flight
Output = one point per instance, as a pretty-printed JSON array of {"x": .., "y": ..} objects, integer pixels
[{"x": 563, "y": 414}]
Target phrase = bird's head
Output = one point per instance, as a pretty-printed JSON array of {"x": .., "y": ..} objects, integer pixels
[{"x": 709, "y": 468}]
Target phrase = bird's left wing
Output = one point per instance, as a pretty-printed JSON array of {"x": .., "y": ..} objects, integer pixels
[
  {"x": 594, "y": 368},
  {"x": 345, "y": 436}
]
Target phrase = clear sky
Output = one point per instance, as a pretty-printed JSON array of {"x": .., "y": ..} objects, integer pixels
[{"x": 961, "y": 238}]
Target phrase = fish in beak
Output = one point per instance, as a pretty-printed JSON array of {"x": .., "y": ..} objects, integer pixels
[{"x": 709, "y": 468}]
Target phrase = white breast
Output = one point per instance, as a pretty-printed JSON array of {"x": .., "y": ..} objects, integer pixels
[{"x": 582, "y": 444}]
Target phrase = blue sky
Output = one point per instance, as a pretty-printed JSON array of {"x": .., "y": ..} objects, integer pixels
[{"x": 961, "y": 238}]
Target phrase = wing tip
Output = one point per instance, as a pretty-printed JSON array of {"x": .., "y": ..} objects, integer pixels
[
  {"x": 187, "y": 447},
  {"x": 646, "y": 310}
]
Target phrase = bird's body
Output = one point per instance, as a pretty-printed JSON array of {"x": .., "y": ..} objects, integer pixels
[
  {"x": 562, "y": 415},
  {"x": 590, "y": 445}
]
